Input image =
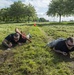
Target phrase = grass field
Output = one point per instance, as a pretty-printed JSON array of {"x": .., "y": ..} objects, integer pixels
[{"x": 33, "y": 58}]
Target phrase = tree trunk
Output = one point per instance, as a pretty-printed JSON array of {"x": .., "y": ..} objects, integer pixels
[
  {"x": 17, "y": 19},
  {"x": 28, "y": 19},
  {"x": 59, "y": 17}
]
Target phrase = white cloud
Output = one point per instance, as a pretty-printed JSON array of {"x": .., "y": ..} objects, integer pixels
[
  {"x": 46, "y": 17},
  {"x": 38, "y": 3},
  {"x": 55, "y": 18},
  {"x": 5, "y": 3},
  {"x": 41, "y": 6}
]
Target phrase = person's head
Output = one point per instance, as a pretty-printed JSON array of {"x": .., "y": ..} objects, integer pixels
[
  {"x": 70, "y": 42},
  {"x": 16, "y": 36}
]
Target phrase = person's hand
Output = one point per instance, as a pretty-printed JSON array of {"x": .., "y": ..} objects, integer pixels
[
  {"x": 64, "y": 53},
  {"x": 10, "y": 45},
  {"x": 19, "y": 44}
]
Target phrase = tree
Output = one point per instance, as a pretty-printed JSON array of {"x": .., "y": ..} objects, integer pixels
[
  {"x": 20, "y": 11},
  {"x": 4, "y": 14},
  {"x": 70, "y": 7},
  {"x": 30, "y": 13},
  {"x": 17, "y": 10},
  {"x": 57, "y": 7},
  {"x": 42, "y": 20}
]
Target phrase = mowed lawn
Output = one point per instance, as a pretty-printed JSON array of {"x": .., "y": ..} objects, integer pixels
[{"x": 34, "y": 58}]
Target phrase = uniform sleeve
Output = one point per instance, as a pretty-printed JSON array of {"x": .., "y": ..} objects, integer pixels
[
  {"x": 22, "y": 40},
  {"x": 8, "y": 38},
  {"x": 71, "y": 49}
]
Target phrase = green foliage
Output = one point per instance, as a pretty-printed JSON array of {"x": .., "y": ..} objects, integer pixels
[
  {"x": 57, "y": 7},
  {"x": 33, "y": 58},
  {"x": 30, "y": 13},
  {"x": 18, "y": 12},
  {"x": 61, "y": 8},
  {"x": 43, "y": 20}
]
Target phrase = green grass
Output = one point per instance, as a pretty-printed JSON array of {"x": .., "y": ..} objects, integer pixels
[{"x": 33, "y": 58}]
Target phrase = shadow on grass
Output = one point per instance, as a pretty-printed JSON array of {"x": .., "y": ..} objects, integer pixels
[
  {"x": 5, "y": 48},
  {"x": 2, "y": 47},
  {"x": 60, "y": 58},
  {"x": 14, "y": 46}
]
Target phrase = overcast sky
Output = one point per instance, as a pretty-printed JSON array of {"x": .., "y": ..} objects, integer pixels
[{"x": 41, "y": 7}]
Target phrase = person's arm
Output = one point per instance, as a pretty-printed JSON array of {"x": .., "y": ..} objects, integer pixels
[
  {"x": 71, "y": 49},
  {"x": 58, "y": 51},
  {"x": 23, "y": 35},
  {"x": 6, "y": 44},
  {"x": 28, "y": 39},
  {"x": 17, "y": 31},
  {"x": 20, "y": 32},
  {"x": 59, "y": 48}
]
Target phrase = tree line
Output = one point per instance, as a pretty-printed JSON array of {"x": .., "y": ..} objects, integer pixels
[
  {"x": 18, "y": 12},
  {"x": 61, "y": 8}
]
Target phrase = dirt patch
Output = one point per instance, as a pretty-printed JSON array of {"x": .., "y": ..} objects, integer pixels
[{"x": 5, "y": 55}]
